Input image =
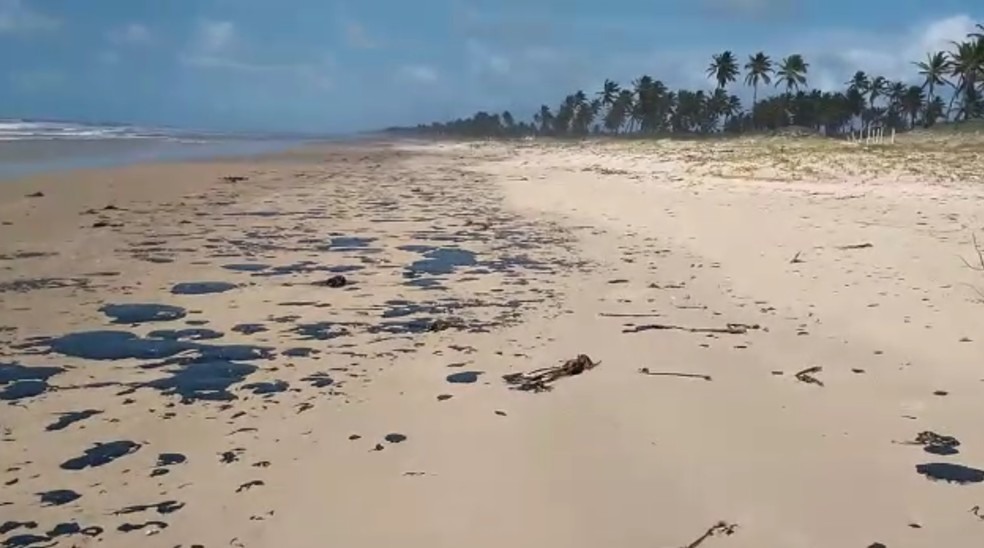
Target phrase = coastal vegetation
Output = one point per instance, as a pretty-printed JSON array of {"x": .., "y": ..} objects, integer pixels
[{"x": 946, "y": 86}]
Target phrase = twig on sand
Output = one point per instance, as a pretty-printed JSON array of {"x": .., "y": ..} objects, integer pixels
[
  {"x": 719, "y": 528},
  {"x": 666, "y": 286},
  {"x": 627, "y": 315},
  {"x": 796, "y": 258},
  {"x": 646, "y": 371},
  {"x": 980, "y": 256},
  {"x": 806, "y": 375},
  {"x": 856, "y": 246},
  {"x": 730, "y": 329},
  {"x": 539, "y": 380},
  {"x": 979, "y": 267}
]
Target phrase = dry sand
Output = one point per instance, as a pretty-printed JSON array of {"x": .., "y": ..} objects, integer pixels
[{"x": 639, "y": 255}]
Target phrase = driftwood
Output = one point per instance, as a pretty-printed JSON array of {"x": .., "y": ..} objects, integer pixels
[
  {"x": 540, "y": 380},
  {"x": 856, "y": 246},
  {"x": 806, "y": 375},
  {"x": 730, "y": 329},
  {"x": 667, "y": 286},
  {"x": 719, "y": 528},
  {"x": 627, "y": 315},
  {"x": 646, "y": 371}
]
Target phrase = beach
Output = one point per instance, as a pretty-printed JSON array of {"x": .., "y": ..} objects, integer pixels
[{"x": 780, "y": 337}]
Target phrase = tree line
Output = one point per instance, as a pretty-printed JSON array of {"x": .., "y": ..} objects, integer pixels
[{"x": 950, "y": 88}]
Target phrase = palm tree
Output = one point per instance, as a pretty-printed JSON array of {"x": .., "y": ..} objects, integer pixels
[
  {"x": 877, "y": 88},
  {"x": 728, "y": 106},
  {"x": 967, "y": 66},
  {"x": 933, "y": 70},
  {"x": 619, "y": 111},
  {"x": 792, "y": 72},
  {"x": 609, "y": 92},
  {"x": 508, "y": 121},
  {"x": 723, "y": 68},
  {"x": 716, "y": 106},
  {"x": 934, "y": 110},
  {"x": 895, "y": 91},
  {"x": 758, "y": 69},
  {"x": 912, "y": 104},
  {"x": 565, "y": 115},
  {"x": 585, "y": 113},
  {"x": 859, "y": 82},
  {"x": 648, "y": 106}
]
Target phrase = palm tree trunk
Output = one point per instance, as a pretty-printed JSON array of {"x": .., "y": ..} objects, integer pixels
[
  {"x": 956, "y": 92},
  {"x": 755, "y": 93},
  {"x": 971, "y": 87},
  {"x": 929, "y": 103}
]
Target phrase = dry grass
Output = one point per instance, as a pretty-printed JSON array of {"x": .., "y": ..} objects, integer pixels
[{"x": 918, "y": 157}]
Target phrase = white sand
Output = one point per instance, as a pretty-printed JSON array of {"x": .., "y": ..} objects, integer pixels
[{"x": 693, "y": 235}]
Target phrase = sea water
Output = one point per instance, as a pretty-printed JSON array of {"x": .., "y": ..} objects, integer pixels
[{"x": 29, "y": 146}]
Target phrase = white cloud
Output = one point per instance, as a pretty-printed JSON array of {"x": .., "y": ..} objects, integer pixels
[
  {"x": 482, "y": 59},
  {"x": 888, "y": 55},
  {"x": 132, "y": 33},
  {"x": 939, "y": 35},
  {"x": 219, "y": 46},
  {"x": 748, "y": 8},
  {"x": 216, "y": 36},
  {"x": 213, "y": 46},
  {"x": 423, "y": 74},
  {"x": 16, "y": 17},
  {"x": 357, "y": 37},
  {"x": 233, "y": 64}
]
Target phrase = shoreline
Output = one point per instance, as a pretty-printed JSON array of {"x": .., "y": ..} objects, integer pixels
[
  {"x": 326, "y": 350},
  {"x": 53, "y": 156}
]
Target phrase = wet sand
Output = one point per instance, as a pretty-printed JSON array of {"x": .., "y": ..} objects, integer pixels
[{"x": 308, "y": 348}]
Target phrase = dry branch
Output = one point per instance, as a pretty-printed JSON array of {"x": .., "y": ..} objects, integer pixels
[
  {"x": 730, "y": 329},
  {"x": 719, "y": 528},
  {"x": 857, "y": 246},
  {"x": 646, "y": 371},
  {"x": 976, "y": 510},
  {"x": 806, "y": 375},
  {"x": 540, "y": 380},
  {"x": 979, "y": 267},
  {"x": 980, "y": 256}
]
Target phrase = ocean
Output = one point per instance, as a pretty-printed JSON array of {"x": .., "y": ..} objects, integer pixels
[{"x": 34, "y": 146}]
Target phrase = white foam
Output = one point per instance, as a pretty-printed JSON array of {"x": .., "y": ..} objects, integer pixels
[{"x": 19, "y": 130}]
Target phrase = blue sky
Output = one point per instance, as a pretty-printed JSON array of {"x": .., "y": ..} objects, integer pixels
[{"x": 337, "y": 66}]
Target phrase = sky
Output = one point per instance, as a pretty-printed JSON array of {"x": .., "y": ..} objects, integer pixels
[{"x": 329, "y": 66}]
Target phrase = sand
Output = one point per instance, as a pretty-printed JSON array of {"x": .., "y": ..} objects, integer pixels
[{"x": 721, "y": 269}]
